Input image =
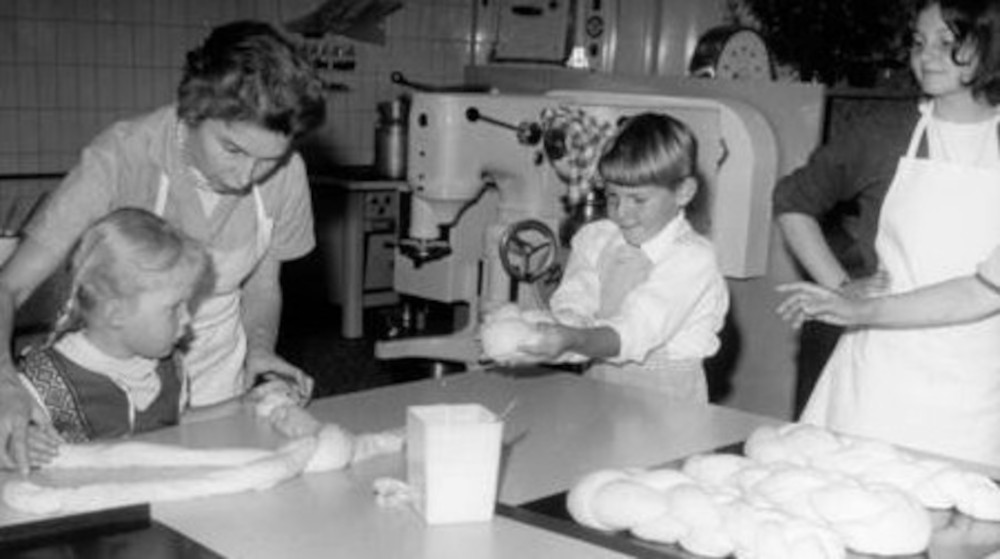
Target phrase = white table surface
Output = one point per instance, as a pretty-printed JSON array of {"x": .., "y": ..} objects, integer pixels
[{"x": 563, "y": 426}]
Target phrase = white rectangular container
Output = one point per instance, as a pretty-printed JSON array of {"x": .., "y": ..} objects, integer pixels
[{"x": 453, "y": 461}]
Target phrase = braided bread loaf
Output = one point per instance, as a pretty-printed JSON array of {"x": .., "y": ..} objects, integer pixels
[{"x": 799, "y": 492}]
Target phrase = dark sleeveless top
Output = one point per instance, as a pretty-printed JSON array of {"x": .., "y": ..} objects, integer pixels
[{"x": 85, "y": 405}]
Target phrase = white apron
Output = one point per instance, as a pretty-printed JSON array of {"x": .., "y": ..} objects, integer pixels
[
  {"x": 936, "y": 389},
  {"x": 621, "y": 270},
  {"x": 214, "y": 362}
]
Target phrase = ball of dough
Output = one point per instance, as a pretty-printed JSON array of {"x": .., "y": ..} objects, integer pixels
[
  {"x": 695, "y": 507},
  {"x": 503, "y": 312},
  {"x": 879, "y": 520},
  {"x": 579, "y": 501},
  {"x": 666, "y": 529},
  {"x": 715, "y": 469},
  {"x": 663, "y": 479},
  {"x": 334, "y": 449},
  {"x": 501, "y": 338},
  {"x": 623, "y": 503}
]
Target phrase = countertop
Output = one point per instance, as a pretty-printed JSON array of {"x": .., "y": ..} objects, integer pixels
[
  {"x": 353, "y": 178},
  {"x": 562, "y": 426}
]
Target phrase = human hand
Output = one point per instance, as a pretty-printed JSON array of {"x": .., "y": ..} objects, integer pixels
[
  {"x": 43, "y": 444},
  {"x": 17, "y": 411},
  {"x": 809, "y": 301},
  {"x": 263, "y": 364}
]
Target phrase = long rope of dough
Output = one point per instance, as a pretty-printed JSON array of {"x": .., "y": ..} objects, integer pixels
[
  {"x": 315, "y": 447},
  {"x": 133, "y": 454},
  {"x": 259, "y": 474}
]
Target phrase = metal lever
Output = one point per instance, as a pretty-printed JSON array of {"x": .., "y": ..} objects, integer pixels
[{"x": 528, "y": 133}]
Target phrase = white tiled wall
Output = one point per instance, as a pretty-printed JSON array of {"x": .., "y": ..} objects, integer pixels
[{"x": 68, "y": 68}]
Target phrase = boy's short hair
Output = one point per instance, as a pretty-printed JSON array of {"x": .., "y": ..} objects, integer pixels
[{"x": 656, "y": 149}]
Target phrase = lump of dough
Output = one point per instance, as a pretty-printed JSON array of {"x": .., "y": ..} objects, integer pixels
[
  {"x": 579, "y": 501},
  {"x": 879, "y": 520},
  {"x": 666, "y": 529},
  {"x": 334, "y": 449},
  {"x": 972, "y": 493},
  {"x": 506, "y": 311},
  {"x": 715, "y": 469},
  {"x": 663, "y": 479},
  {"x": 623, "y": 503},
  {"x": 766, "y": 445},
  {"x": 501, "y": 338},
  {"x": 809, "y": 440},
  {"x": 293, "y": 421},
  {"x": 695, "y": 507}
]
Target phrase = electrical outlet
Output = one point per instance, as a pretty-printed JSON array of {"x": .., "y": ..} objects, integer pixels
[{"x": 380, "y": 205}]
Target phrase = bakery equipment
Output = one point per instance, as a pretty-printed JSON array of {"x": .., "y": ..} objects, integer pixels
[{"x": 480, "y": 164}]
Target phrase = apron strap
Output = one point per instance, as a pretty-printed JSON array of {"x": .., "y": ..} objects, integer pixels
[
  {"x": 161, "y": 195},
  {"x": 920, "y": 138},
  {"x": 924, "y": 149}
]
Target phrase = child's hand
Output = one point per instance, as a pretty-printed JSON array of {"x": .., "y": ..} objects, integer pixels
[
  {"x": 43, "y": 445},
  {"x": 261, "y": 365}
]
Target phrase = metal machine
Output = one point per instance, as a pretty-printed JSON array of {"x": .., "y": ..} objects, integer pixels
[{"x": 486, "y": 169}]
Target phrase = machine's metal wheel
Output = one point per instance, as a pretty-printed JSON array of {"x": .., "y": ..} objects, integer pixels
[{"x": 529, "y": 250}]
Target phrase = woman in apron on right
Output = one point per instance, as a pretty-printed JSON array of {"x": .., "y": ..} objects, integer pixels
[{"x": 934, "y": 388}]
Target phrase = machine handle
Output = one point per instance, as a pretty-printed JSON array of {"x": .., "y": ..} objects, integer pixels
[
  {"x": 723, "y": 155},
  {"x": 528, "y": 133},
  {"x": 399, "y": 79}
]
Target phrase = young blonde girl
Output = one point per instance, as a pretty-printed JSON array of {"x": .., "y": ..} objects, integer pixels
[
  {"x": 111, "y": 367},
  {"x": 643, "y": 294}
]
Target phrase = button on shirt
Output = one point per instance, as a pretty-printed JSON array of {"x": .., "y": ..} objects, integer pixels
[{"x": 678, "y": 308}]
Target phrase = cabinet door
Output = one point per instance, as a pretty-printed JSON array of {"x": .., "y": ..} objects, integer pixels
[{"x": 379, "y": 255}]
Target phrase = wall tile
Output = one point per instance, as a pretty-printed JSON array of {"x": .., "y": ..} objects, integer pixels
[
  {"x": 8, "y": 40},
  {"x": 80, "y": 64},
  {"x": 67, "y": 42},
  {"x": 27, "y": 86},
  {"x": 48, "y": 87},
  {"x": 87, "y": 45},
  {"x": 28, "y": 138},
  {"x": 8, "y": 132},
  {"x": 86, "y": 79},
  {"x": 8, "y": 87}
]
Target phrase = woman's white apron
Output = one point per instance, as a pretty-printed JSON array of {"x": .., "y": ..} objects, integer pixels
[
  {"x": 214, "y": 362},
  {"x": 936, "y": 389},
  {"x": 621, "y": 270}
]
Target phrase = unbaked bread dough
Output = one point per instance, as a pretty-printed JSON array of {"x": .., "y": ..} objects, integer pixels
[
  {"x": 259, "y": 474},
  {"x": 800, "y": 492},
  {"x": 506, "y": 328},
  {"x": 184, "y": 473}
]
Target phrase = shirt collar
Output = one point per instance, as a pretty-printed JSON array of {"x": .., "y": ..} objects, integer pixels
[{"x": 655, "y": 248}]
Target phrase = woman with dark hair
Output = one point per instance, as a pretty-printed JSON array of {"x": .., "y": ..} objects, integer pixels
[
  {"x": 220, "y": 166},
  {"x": 931, "y": 186}
]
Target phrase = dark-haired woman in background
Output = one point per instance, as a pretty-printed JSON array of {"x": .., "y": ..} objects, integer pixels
[{"x": 931, "y": 388}]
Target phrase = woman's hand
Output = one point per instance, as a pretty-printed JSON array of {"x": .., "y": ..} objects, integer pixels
[
  {"x": 18, "y": 411},
  {"x": 809, "y": 301},
  {"x": 845, "y": 306},
  {"x": 260, "y": 362}
]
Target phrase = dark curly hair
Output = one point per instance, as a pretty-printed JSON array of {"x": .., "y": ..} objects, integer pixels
[
  {"x": 247, "y": 71},
  {"x": 975, "y": 24}
]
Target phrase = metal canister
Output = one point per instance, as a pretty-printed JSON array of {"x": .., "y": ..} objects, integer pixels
[{"x": 391, "y": 139}]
